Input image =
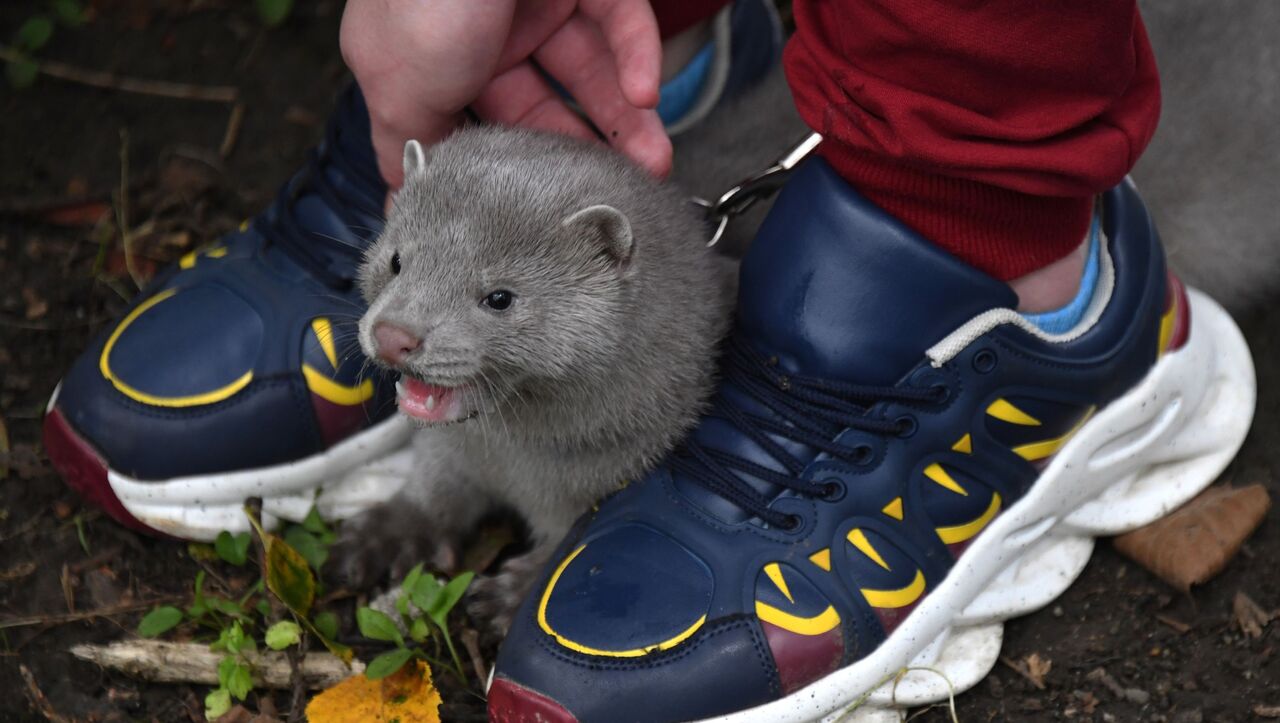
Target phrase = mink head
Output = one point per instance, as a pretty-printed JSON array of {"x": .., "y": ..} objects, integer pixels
[{"x": 504, "y": 268}]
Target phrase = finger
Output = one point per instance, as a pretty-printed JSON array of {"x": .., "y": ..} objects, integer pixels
[
  {"x": 521, "y": 97},
  {"x": 631, "y": 30},
  {"x": 580, "y": 59}
]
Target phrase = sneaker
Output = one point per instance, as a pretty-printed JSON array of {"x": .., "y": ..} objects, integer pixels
[
  {"x": 236, "y": 373},
  {"x": 897, "y": 461}
]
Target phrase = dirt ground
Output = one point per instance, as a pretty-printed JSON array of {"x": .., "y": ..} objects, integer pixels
[{"x": 1167, "y": 656}]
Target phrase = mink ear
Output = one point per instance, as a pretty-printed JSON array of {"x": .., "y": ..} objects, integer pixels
[
  {"x": 610, "y": 226},
  {"x": 415, "y": 160}
]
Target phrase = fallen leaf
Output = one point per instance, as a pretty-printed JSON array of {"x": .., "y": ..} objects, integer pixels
[
  {"x": 1037, "y": 668},
  {"x": 1088, "y": 701},
  {"x": 1250, "y": 618},
  {"x": 36, "y": 306},
  {"x": 408, "y": 696},
  {"x": 17, "y": 572},
  {"x": 1266, "y": 711},
  {"x": 1197, "y": 541}
]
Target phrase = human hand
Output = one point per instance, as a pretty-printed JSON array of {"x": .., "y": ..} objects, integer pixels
[{"x": 421, "y": 63}]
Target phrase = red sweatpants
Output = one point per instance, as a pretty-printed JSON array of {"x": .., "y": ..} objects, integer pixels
[{"x": 986, "y": 125}]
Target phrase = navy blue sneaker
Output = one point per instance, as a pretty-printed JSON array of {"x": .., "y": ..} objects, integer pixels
[
  {"x": 236, "y": 372},
  {"x": 896, "y": 462}
]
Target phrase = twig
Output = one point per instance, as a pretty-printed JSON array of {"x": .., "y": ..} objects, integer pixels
[
  {"x": 232, "y": 133},
  {"x": 67, "y": 592},
  {"x": 1180, "y": 627},
  {"x": 36, "y": 696},
  {"x": 471, "y": 641},
  {"x": 127, "y": 84},
  {"x": 165, "y": 662},
  {"x": 107, "y": 612},
  {"x": 122, "y": 212}
]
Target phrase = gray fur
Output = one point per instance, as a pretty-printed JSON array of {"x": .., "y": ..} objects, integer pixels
[{"x": 602, "y": 363}]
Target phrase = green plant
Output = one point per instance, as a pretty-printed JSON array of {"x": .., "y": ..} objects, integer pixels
[
  {"x": 35, "y": 33},
  {"x": 273, "y": 13},
  {"x": 287, "y": 576},
  {"x": 422, "y": 599}
]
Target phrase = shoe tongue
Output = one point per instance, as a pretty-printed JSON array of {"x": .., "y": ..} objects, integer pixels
[
  {"x": 836, "y": 288},
  {"x": 348, "y": 166}
]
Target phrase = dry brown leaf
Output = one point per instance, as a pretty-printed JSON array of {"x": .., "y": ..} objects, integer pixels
[
  {"x": 1250, "y": 618},
  {"x": 1266, "y": 711},
  {"x": 1197, "y": 541},
  {"x": 36, "y": 306},
  {"x": 1037, "y": 668}
]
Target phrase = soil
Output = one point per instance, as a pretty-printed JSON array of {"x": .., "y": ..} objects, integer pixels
[{"x": 1167, "y": 656}]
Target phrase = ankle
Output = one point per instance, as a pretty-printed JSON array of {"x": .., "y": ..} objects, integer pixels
[{"x": 1052, "y": 286}]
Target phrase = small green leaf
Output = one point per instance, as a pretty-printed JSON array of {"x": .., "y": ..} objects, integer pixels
[
  {"x": 21, "y": 73},
  {"x": 378, "y": 626},
  {"x": 449, "y": 597},
  {"x": 35, "y": 33},
  {"x": 307, "y": 545},
  {"x": 313, "y": 523},
  {"x": 226, "y": 667},
  {"x": 264, "y": 608},
  {"x": 69, "y": 12},
  {"x": 411, "y": 580},
  {"x": 283, "y": 634},
  {"x": 327, "y": 624},
  {"x": 227, "y": 607},
  {"x": 159, "y": 620},
  {"x": 387, "y": 663},
  {"x": 273, "y": 12},
  {"x": 240, "y": 682},
  {"x": 402, "y": 605},
  {"x": 418, "y": 630},
  {"x": 233, "y": 548},
  {"x": 288, "y": 576},
  {"x": 235, "y": 638},
  {"x": 217, "y": 703},
  {"x": 426, "y": 592}
]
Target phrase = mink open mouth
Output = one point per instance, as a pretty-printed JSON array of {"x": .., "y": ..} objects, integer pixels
[{"x": 431, "y": 403}]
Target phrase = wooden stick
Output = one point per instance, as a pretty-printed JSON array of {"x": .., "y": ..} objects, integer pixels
[
  {"x": 127, "y": 84},
  {"x": 38, "y": 699},
  {"x": 164, "y": 662}
]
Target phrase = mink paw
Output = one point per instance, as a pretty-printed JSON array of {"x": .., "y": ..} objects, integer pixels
[
  {"x": 384, "y": 544},
  {"x": 492, "y": 599}
]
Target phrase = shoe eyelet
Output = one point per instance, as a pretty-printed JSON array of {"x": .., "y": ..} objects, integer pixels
[
  {"x": 863, "y": 454},
  {"x": 906, "y": 425},
  {"x": 984, "y": 361},
  {"x": 941, "y": 393},
  {"x": 793, "y": 523},
  {"x": 833, "y": 490}
]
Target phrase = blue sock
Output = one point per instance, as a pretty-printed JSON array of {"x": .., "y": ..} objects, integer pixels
[
  {"x": 678, "y": 95},
  {"x": 1062, "y": 320}
]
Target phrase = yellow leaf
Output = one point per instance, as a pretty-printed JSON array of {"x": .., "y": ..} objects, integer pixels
[{"x": 408, "y": 696}]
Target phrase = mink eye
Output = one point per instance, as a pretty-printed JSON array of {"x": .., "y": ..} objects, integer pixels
[
  {"x": 499, "y": 300},
  {"x": 395, "y": 262}
]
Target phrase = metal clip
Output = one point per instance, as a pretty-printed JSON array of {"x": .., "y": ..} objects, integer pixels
[{"x": 738, "y": 199}]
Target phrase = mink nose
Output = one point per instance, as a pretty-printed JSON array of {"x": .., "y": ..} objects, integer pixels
[{"x": 394, "y": 344}]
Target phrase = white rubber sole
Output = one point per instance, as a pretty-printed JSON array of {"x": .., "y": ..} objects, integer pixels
[
  {"x": 1138, "y": 459},
  {"x": 350, "y": 477}
]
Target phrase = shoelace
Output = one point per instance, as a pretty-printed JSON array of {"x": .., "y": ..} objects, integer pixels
[
  {"x": 809, "y": 410},
  {"x": 312, "y": 250}
]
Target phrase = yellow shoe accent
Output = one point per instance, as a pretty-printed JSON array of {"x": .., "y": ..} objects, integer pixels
[
  {"x": 1166, "y": 327},
  {"x": 1039, "y": 450},
  {"x": 188, "y": 259},
  {"x": 964, "y": 446},
  {"x": 336, "y": 392},
  {"x": 960, "y": 533},
  {"x": 860, "y": 541},
  {"x": 1004, "y": 410},
  {"x": 775, "y": 573},
  {"x": 546, "y": 628},
  {"x": 193, "y": 400},
  {"x": 822, "y": 558},
  {"x": 894, "y": 509},
  {"x": 936, "y": 473},
  {"x": 899, "y": 598},
  {"x": 816, "y": 625},
  {"x": 324, "y": 334}
]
